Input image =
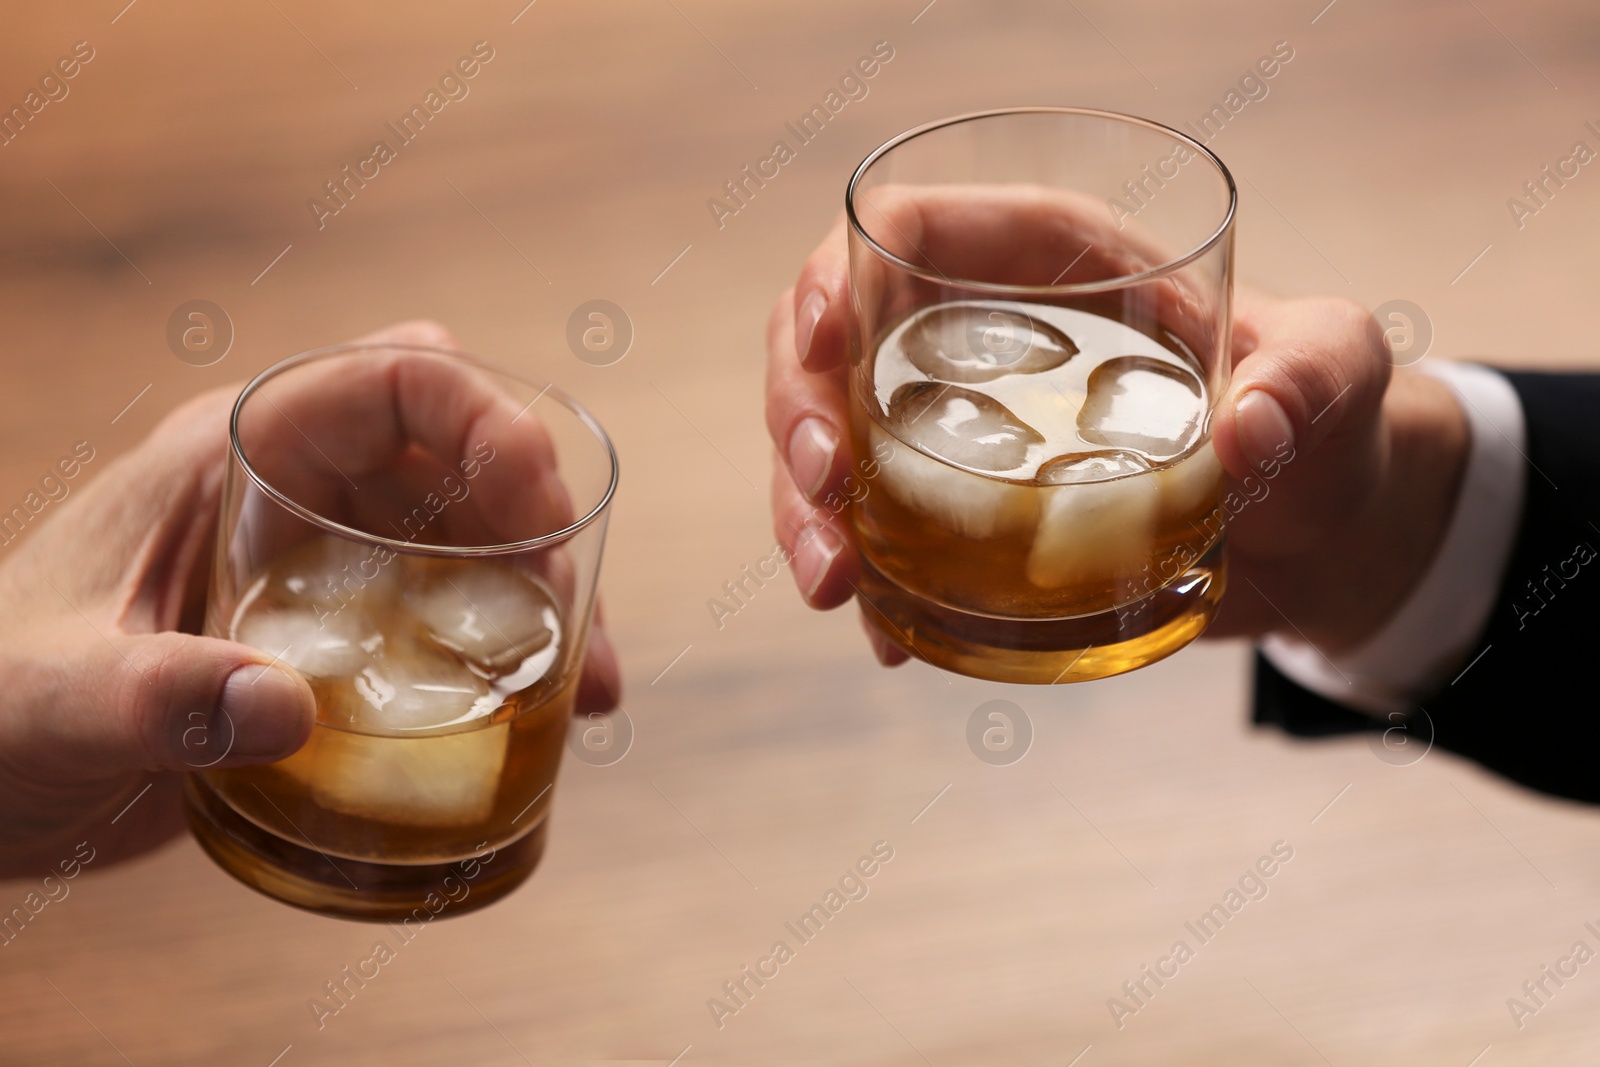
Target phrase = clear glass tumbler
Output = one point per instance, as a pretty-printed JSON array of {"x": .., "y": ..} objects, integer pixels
[
  {"x": 1041, "y": 313},
  {"x": 418, "y": 534}
]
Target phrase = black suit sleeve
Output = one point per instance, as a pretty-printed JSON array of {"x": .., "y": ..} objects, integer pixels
[{"x": 1525, "y": 708}]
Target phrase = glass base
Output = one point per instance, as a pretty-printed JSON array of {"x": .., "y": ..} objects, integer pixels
[
  {"x": 1049, "y": 651},
  {"x": 355, "y": 889}
]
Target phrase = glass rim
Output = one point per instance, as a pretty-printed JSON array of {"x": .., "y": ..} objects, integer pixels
[
  {"x": 414, "y": 548},
  {"x": 1106, "y": 285}
]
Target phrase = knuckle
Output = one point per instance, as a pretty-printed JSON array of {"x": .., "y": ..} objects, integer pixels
[
  {"x": 1352, "y": 323},
  {"x": 1344, "y": 308},
  {"x": 824, "y": 269},
  {"x": 777, "y": 321},
  {"x": 797, "y": 520},
  {"x": 1339, "y": 345},
  {"x": 786, "y": 504},
  {"x": 143, "y": 700},
  {"x": 778, "y": 417},
  {"x": 812, "y": 276},
  {"x": 431, "y": 328},
  {"x": 770, "y": 417},
  {"x": 423, "y": 332},
  {"x": 1310, "y": 376},
  {"x": 1361, "y": 354}
]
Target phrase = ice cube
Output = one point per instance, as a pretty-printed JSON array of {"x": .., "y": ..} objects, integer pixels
[
  {"x": 317, "y": 643},
  {"x": 965, "y": 342},
  {"x": 332, "y": 572},
  {"x": 1092, "y": 531},
  {"x": 1144, "y": 404},
  {"x": 409, "y": 685},
  {"x": 494, "y": 617},
  {"x": 960, "y": 501},
  {"x": 961, "y": 426},
  {"x": 1079, "y": 467},
  {"x": 446, "y": 780},
  {"x": 1193, "y": 484}
]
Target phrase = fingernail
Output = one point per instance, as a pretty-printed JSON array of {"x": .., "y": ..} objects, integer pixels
[
  {"x": 815, "y": 560},
  {"x": 1265, "y": 432},
  {"x": 263, "y": 712},
  {"x": 805, "y": 323},
  {"x": 811, "y": 449}
]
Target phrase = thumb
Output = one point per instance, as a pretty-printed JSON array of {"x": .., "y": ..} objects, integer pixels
[
  {"x": 183, "y": 703},
  {"x": 1304, "y": 412}
]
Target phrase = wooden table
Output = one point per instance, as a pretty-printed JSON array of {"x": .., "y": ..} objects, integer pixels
[{"x": 770, "y": 752}]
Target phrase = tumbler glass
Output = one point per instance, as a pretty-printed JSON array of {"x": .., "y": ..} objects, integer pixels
[
  {"x": 1041, "y": 310},
  {"x": 418, "y": 534}
]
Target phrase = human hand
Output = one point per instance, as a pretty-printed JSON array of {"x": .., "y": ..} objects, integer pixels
[
  {"x": 1325, "y": 543},
  {"x": 110, "y": 695}
]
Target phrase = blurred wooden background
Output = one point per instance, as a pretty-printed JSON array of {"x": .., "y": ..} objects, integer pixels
[{"x": 773, "y": 752}]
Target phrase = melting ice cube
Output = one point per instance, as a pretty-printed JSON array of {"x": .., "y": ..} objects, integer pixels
[
  {"x": 1140, "y": 403},
  {"x": 425, "y": 779},
  {"x": 449, "y": 780},
  {"x": 1090, "y": 467},
  {"x": 332, "y": 572},
  {"x": 1092, "y": 530},
  {"x": 494, "y": 617},
  {"x": 1194, "y": 483},
  {"x": 960, "y": 501},
  {"x": 329, "y": 644},
  {"x": 409, "y": 685},
  {"x": 961, "y": 426},
  {"x": 964, "y": 342}
]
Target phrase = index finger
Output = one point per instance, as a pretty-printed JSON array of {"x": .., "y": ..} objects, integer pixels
[{"x": 822, "y": 302}]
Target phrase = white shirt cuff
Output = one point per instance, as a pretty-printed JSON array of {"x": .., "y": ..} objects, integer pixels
[{"x": 1445, "y": 615}]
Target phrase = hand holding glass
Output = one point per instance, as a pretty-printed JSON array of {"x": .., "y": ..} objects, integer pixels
[
  {"x": 1040, "y": 333},
  {"x": 419, "y": 535}
]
